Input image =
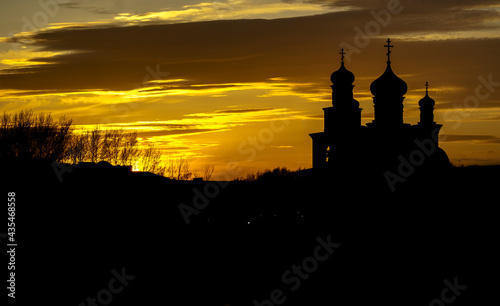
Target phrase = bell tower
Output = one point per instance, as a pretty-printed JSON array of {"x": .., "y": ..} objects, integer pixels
[
  {"x": 346, "y": 147},
  {"x": 342, "y": 120},
  {"x": 388, "y": 95},
  {"x": 426, "y": 109},
  {"x": 344, "y": 113}
]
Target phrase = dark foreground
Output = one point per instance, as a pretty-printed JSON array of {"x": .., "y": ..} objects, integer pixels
[{"x": 103, "y": 237}]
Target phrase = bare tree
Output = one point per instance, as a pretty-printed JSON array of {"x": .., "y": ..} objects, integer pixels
[
  {"x": 104, "y": 152},
  {"x": 94, "y": 143},
  {"x": 129, "y": 150},
  {"x": 26, "y": 136},
  {"x": 115, "y": 146},
  {"x": 182, "y": 169},
  {"x": 170, "y": 168},
  {"x": 207, "y": 171},
  {"x": 77, "y": 148},
  {"x": 178, "y": 169},
  {"x": 151, "y": 160}
]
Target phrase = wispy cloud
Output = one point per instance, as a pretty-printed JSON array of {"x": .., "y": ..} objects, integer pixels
[
  {"x": 179, "y": 136},
  {"x": 226, "y": 10},
  {"x": 180, "y": 76},
  {"x": 104, "y": 7},
  {"x": 208, "y": 55},
  {"x": 214, "y": 58}
]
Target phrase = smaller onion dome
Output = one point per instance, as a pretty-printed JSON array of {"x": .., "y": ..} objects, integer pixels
[
  {"x": 426, "y": 101},
  {"x": 342, "y": 76}
]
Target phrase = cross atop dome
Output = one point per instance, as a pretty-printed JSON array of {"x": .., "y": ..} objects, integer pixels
[
  {"x": 342, "y": 75},
  {"x": 388, "y": 50},
  {"x": 345, "y": 146},
  {"x": 342, "y": 53},
  {"x": 389, "y": 84}
]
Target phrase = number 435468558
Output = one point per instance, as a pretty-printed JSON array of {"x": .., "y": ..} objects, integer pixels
[{"x": 11, "y": 226}]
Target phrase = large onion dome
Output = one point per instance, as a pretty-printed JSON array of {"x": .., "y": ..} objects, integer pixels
[{"x": 388, "y": 84}]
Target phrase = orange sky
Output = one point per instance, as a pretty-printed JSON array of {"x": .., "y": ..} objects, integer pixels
[{"x": 245, "y": 81}]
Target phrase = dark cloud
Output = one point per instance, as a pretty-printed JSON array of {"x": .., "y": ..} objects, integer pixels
[
  {"x": 158, "y": 125},
  {"x": 461, "y": 106},
  {"x": 367, "y": 115},
  {"x": 303, "y": 50},
  {"x": 415, "y": 4},
  {"x": 469, "y": 138},
  {"x": 249, "y": 110},
  {"x": 173, "y": 132},
  {"x": 494, "y": 118},
  {"x": 188, "y": 87},
  {"x": 316, "y": 116}
]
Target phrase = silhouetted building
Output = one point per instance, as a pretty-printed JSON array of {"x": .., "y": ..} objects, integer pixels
[{"x": 384, "y": 142}]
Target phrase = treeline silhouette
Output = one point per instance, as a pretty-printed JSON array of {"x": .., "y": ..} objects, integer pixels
[
  {"x": 278, "y": 173},
  {"x": 26, "y": 136}
]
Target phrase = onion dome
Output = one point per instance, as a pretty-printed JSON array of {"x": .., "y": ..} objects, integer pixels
[
  {"x": 426, "y": 101},
  {"x": 389, "y": 84},
  {"x": 342, "y": 75}
]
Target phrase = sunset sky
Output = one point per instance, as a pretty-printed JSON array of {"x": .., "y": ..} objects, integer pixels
[{"x": 245, "y": 81}]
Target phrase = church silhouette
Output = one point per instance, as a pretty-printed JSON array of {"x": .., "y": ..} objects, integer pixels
[
  {"x": 384, "y": 143},
  {"x": 100, "y": 235}
]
